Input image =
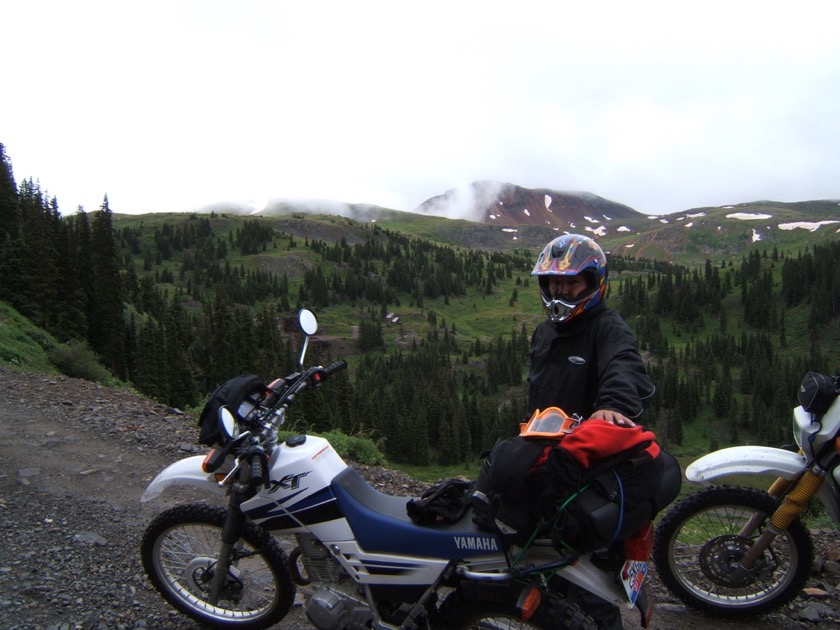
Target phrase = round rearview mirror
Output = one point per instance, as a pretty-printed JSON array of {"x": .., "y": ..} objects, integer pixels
[
  {"x": 228, "y": 424},
  {"x": 308, "y": 321}
]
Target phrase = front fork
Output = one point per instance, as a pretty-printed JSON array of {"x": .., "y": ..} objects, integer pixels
[
  {"x": 231, "y": 533},
  {"x": 794, "y": 503}
]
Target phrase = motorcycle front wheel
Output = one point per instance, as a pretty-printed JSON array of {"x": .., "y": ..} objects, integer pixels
[
  {"x": 179, "y": 551},
  {"x": 699, "y": 545}
]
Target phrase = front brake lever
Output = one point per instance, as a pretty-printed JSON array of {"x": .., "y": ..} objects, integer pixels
[
  {"x": 224, "y": 481},
  {"x": 237, "y": 442}
]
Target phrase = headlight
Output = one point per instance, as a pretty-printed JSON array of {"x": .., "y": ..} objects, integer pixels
[{"x": 228, "y": 425}]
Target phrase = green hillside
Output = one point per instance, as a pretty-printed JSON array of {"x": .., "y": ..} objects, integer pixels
[
  {"x": 498, "y": 301},
  {"x": 434, "y": 316}
]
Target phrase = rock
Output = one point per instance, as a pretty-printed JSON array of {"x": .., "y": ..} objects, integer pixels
[
  {"x": 91, "y": 538},
  {"x": 814, "y": 612},
  {"x": 815, "y": 593}
]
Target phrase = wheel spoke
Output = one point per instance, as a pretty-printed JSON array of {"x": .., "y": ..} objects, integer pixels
[
  {"x": 700, "y": 547},
  {"x": 180, "y": 549}
]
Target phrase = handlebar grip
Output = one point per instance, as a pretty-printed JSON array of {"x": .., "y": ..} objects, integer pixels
[
  {"x": 257, "y": 469},
  {"x": 335, "y": 367}
]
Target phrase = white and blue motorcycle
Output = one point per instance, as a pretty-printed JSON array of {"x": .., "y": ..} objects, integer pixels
[{"x": 359, "y": 559}]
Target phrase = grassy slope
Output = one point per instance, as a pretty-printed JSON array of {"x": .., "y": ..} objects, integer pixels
[{"x": 23, "y": 346}]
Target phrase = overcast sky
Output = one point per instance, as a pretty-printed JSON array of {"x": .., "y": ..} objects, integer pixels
[{"x": 663, "y": 106}]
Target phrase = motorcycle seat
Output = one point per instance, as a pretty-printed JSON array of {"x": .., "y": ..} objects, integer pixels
[{"x": 381, "y": 524}]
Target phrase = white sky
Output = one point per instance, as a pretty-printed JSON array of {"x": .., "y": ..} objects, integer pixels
[{"x": 664, "y": 106}]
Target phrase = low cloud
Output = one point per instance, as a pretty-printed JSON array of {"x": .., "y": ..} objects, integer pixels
[{"x": 466, "y": 202}]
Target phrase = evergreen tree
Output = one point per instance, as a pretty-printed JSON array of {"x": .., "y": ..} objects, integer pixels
[
  {"x": 74, "y": 278},
  {"x": 106, "y": 323},
  {"x": 9, "y": 204},
  {"x": 181, "y": 390}
]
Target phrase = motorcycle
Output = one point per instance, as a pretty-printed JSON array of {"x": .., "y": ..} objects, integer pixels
[
  {"x": 298, "y": 516},
  {"x": 738, "y": 552}
]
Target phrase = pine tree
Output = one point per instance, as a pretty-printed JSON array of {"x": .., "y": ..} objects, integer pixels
[
  {"x": 106, "y": 324},
  {"x": 9, "y": 204}
]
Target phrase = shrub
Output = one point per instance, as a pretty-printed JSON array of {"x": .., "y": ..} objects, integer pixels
[
  {"x": 360, "y": 449},
  {"x": 77, "y": 360}
]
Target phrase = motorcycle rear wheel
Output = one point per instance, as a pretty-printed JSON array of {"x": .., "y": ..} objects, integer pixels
[
  {"x": 697, "y": 550},
  {"x": 179, "y": 551}
]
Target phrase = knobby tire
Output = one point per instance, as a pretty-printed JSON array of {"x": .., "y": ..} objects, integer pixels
[
  {"x": 697, "y": 546},
  {"x": 178, "y": 551}
]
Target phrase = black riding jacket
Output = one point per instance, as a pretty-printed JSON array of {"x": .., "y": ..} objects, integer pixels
[{"x": 590, "y": 363}]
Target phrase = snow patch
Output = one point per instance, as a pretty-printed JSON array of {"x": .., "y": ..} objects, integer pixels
[
  {"x": 756, "y": 236},
  {"x": 591, "y": 220},
  {"x": 748, "y": 216},
  {"x": 689, "y": 224},
  {"x": 663, "y": 221},
  {"x": 695, "y": 215},
  {"x": 509, "y": 230},
  {"x": 525, "y": 210},
  {"x": 805, "y": 225},
  {"x": 629, "y": 245},
  {"x": 547, "y": 202},
  {"x": 599, "y": 231},
  {"x": 624, "y": 228}
]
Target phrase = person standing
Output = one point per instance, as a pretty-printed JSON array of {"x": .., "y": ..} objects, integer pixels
[{"x": 584, "y": 358}]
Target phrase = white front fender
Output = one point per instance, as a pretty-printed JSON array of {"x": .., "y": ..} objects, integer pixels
[
  {"x": 185, "y": 472},
  {"x": 745, "y": 460}
]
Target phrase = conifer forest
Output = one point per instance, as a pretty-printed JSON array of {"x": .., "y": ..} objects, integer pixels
[{"x": 173, "y": 308}]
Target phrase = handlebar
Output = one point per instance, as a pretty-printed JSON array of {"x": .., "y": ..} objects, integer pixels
[
  {"x": 257, "y": 469},
  {"x": 275, "y": 411},
  {"x": 335, "y": 367},
  {"x": 254, "y": 445}
]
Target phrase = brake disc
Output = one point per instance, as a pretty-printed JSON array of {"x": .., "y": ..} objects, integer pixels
[
  {"x": 199, "y": 576},
  {"x": 720, "y": 561}
]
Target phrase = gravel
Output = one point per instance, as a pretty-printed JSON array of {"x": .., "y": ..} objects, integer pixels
[{"x": 75, "y": 458}]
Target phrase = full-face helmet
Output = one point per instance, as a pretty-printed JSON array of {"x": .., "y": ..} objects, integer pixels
[{"x": 571, "y": 255}]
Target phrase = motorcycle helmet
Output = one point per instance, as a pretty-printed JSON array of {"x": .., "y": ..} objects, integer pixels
[{"x": 571, "y": 255}]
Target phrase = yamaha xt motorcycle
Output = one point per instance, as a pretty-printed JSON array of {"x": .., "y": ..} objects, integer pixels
[
  {"x": 298, "y": 517},
  {"x": 738, "y": 552}
]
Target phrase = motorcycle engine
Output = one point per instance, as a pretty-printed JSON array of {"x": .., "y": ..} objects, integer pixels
[
  {"x": 329, "y": 609},
  {"x": 331, "y": 604}
]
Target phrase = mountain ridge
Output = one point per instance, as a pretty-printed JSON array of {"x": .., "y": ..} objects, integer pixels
[{"x": 493, "y": 215}]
